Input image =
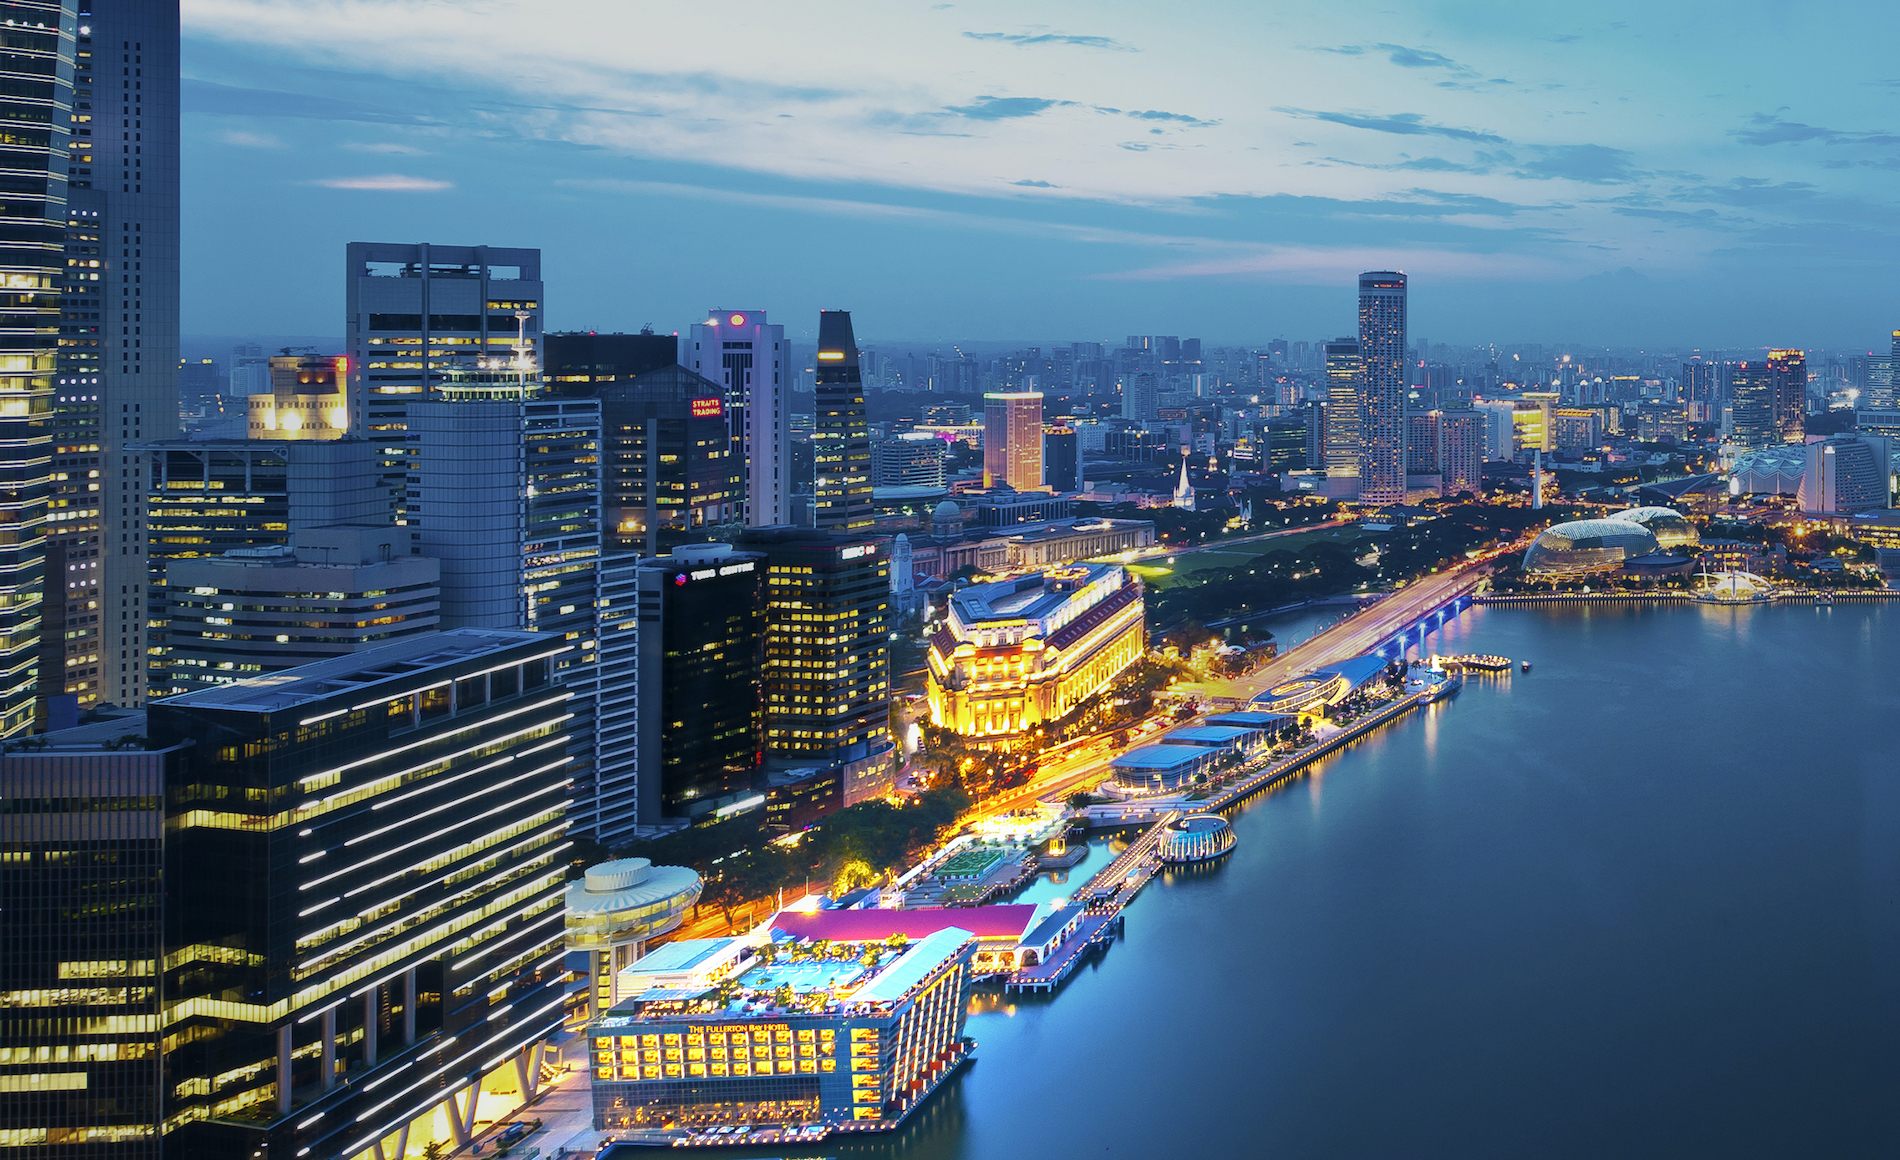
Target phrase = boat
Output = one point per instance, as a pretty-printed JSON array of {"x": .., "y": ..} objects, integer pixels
[{"x": 1527, "y": 666}]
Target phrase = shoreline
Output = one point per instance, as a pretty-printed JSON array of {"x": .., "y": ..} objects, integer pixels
[{"x": 1830, "y": 597}]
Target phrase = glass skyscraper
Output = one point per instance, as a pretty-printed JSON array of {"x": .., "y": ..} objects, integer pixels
[
  {"x": 1342, "y": 408},
  {"x": 841, "y": 445},
  {"x": 1382, "y": 387}
]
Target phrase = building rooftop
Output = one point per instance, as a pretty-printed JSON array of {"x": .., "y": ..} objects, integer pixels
[
  {"x": 915, "y": 965},
  {"x": 1356, "y": 670},
  {"x": 1160, "y": 757},
  {"x": 1008, "y": 921},
  {"x": 390, "y": 663},
  {"x": 1204, "y": 735},
  {"x": 1024, "y": 598},
  {"x": 1050, "y": 927},
  {"x": 1247, "y": 720}
]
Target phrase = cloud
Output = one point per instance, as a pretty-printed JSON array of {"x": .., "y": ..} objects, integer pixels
[
  {"x": 1404, "y": 124},
  {"x": 1320, "y": 265},
  {"x": 1405, "y": 57},
  {"x": 196, "y": 96},
  {"x": 1598, "y": 164},
  {"x": 248, "y": 140},
  {"x": 1158, "y": 115},
  {"x": 387, "y": 183},
  {"x": 1035, "y": 184},
  {"x": 1004, "y": 108},
  {"x": 1027, "y": 40},
  {"x": 385, "y": 147},
  {"x": 1768, "y": 129}
]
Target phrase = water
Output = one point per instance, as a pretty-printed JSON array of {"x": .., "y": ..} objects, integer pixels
[{"x": 1642, "y": 901}]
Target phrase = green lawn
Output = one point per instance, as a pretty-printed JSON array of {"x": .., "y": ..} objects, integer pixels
[{"x": 1160, "y": 574}]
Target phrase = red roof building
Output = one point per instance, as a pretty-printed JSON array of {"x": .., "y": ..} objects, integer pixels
[{"x": 989, "y": 923}]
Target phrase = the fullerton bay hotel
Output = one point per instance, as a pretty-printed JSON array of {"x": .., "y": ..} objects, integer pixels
[{"x": 1019, "y": 652}]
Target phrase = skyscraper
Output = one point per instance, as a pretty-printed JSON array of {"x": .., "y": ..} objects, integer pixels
[
  {"x": 1342, "y": 407},
  {"x": 1753, "y": 409},
  {"x": 1382, "y": 387},
  {"x": 1789, "y": 369},
  {"x": 1461, "y": 439},
  {"x": 1012, "y": 440},
  {"x": 672, "y": 469},
  {"x": 1061, "y": 458},
  {"x": 747, "y": 356},
  {"x": 1141, "y": 399},
  {"x": 841, "y": 440},
  {"x": 581, "y": 363},
  {"x": 118, "y": 370}
]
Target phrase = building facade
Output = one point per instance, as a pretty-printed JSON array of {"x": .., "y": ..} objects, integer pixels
[
  {"x": 1061, "y": 458},
  {"x": 1012, "y": 440},
  {"x": 1461, "y": 438},
  {"x": 1789, "y": 371},
  {"x": 1382, "y": 387},
  {"x": 1753, "y": 423},
  {"x": 841, "y": 439},
  {"x": 1016, "y": 653},
  {"x": 580, "y": 363},
  {"x": 913, "y": 459},
  {"x": 306, "y": 400},
  {"x": 672, "y": 469},
  {"x": 749, "y": 359},
  {"x": 1341, "y": 439}
]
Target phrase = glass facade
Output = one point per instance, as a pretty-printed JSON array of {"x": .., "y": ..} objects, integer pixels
[
  {"x": 1382, "y": 387},
  {"x": 673, "y": 468},
  {"x": 1584, "y": 546},
  {"x": 1342, "y": 407},
  {"x": 841, "y": 441}
]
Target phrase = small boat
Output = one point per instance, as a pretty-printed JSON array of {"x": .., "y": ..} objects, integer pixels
[{"x": 1527, "y": 666}]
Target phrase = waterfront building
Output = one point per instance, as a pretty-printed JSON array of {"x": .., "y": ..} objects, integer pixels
[
  {"x": 1061, "y": 459},
  {"x": 208, "y": 497},
  {"x": 1015, "y": 653},
  {"x": 111, "y": 203},
  {"x": 1312, "y": 693},
  {"x": 363, "y": 877},
  {"x": 1239, "y": 740},
  {"x": 1155, "y": 769},
  {"x": 1012, "y": 440},
  {"x": 579, "y": 363},
  {"x": 80, "y": 885},
  {"x": 1382, "y": 387},
  {"x": 826, "y": 675},
  {"x": 853, "y": 1035},
  {"x": 1846, "y": 473},
  {"x": 841, "y": 440},
  {"x": 672, "y": 467},
  {"x": 913, "y": 459},
  {"x": 306, "y": 400},
  {"x": 331, "y": 592},
  {"x": 1789, "y": 371},
  {"x": 1582, "y": 547},
  {"x": 1671, "y": 529},
  {"x": 1003, "y": 932},
  {"x": 1195, "y": 838},
  {"x": 1341, "y": 439},
  {"x": 615, "y": 911},
  {"x": 749, "y": 359},
  {"x": 700, "y": 638}
]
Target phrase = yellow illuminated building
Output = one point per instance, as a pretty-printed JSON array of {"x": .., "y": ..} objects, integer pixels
[
  {"x": 306, "y": 400},
  {"x": 1016, "y": 653}
]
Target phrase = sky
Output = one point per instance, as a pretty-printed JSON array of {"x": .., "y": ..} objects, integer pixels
[{"x": 1720, "y": 176}]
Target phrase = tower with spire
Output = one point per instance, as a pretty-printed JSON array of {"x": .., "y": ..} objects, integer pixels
[{"x": 1183, "y": 490}]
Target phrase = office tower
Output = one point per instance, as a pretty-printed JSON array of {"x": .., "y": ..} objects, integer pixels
[
  {"x": 1141, "y": 398},
  {"x": 1847, "y": 473},
  {"x": 80, "y": 889},
  {"x": 579, "y": 363},
  {"x": 1789, "y": 369},
  {"x": 364, "y": 876},
  {"x": 1461, "y": 452},
  {"x": 1382, "y": 383},
  {"x": 1698, "y": 382},
  {"x": 331, "y": 592},
  {"x": 913, "y": 459},
  {"x": 841, "y": 441},
  {"x": 1168, "y": 347},
  {"x": 1191, "y": 350},
  {"x": 1315, "y": 412},
  {"x": 749, "y": 359},
  {"x": 201, "y": 385},
  {"x": 671, "y": 470},
  {"x": 1343, "y": 372},
  {"x": 1499, "y": 429},
  {"x": 701, "y": 642},
  {"x": 827, "y": 654},
  {"x": 250, "y": 371},
  {"x": 306, "y": 400},
  {"x": 210, "y": 496},
  {"x": 607, "y": 809},
  {"x": 1421, "y": 443},
  {"x": 1012, "y": 440},
  {"x": 1753, "y": 425},
  {"x": 1286, "y": 443},
  {"x": 1061, "y": 459}
]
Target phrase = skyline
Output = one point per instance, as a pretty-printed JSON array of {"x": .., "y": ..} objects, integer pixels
[{"x": 1616, "y": 181}]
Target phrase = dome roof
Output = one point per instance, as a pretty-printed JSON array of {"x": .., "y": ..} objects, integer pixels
[
  {"x": 1588, "y": 546},
  {"x": 947, "y": 510},
  {"x": 628, "y": 884},
  {"x": 1668, "y": 525}
]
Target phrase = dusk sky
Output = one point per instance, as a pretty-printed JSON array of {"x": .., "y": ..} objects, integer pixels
[{"x": 1721, "y": 176}]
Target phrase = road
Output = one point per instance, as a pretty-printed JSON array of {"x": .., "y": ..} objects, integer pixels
[{"x": 1225, "y": 544}]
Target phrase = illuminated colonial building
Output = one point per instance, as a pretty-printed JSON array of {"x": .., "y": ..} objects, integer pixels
[{"x": 1016, "y": 653}]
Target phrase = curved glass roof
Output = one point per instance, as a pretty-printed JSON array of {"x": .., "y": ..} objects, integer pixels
[
  {"x": 1588, "y": 546},
  {"x": 1669, "y": 526}
]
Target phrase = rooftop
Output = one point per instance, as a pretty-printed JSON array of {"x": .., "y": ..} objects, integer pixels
[
  {"x": 1204, "y": 735},
  {"x": 1023, "y": 598},
  {"x": 1160, "y": 757},
  {"x": 1009, "y": 921}
]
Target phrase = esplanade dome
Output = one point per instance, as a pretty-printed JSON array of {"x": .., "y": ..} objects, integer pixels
[
  {"x": 1588, "y": 546},
  {"x": 1668, "y": 525}
]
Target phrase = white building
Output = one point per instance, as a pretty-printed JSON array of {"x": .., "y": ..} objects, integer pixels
[{"x": 747, "y": 356}]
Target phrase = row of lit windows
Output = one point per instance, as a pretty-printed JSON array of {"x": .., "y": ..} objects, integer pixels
[{"x": 719, "y": 1070}]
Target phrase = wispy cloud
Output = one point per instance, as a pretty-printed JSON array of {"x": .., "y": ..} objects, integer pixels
[
  {"x": 1403, "y": 124},
  {"x": 244, "y": 139},
  {"x": 1028, "y": 40},
  {"x": 1769, "y": 129},
  {"x": 385, "y": 147},
  {"x": 1598, "y": 164},
  {"x": 387, "y": 183},
  {"x": 1003, "y": 108},
  {"x": 198, "y": 96}
]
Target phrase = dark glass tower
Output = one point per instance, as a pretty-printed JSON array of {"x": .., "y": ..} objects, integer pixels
[
  {"x": 1790, "y": 371},
  {"x": 1382, "y": 387},
  {"x": 34, "y": 99},
  {"x": 841, "y": 444},
  {"x": 1753, "y": 405}
]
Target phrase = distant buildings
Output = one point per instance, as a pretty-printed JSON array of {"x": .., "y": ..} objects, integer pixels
[
  {"x": 913, "y": 459},
  {"x": 1015, "y": 653},
  {"x": 1461, "y": 452},
  {"x": 1382, "y": 387},
  {"x": 1789, "y": 371},
  {"x": 1061, "y": 459},
  {"x": 1757, "y": 389},
  {"x": 1012, "y": 440},
  {"x": 842, "y": 438}
]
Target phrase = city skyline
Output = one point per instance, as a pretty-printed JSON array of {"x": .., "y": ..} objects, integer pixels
[{"x": 1601, "y": 180}]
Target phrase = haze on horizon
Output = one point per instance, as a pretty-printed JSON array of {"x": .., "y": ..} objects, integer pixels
[{"x": 1622, "y": 175}]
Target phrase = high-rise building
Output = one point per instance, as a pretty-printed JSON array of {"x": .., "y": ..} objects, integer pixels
[
  {"x": 117, "y": 381},
  {"x": 827, "y": 653},
  {"x": 913, "y": 459},
  {"x": 1061, "y": 459},
  {"x": 210, "y": 496},
  {"x": 364, "y": 882},
  {"x": 80, "y": 886},
  {"x": 748, "y": 357},
  {"x": 1461, "y": 452},
  {"x": 841, "y": 439},
  {"x": 306, "y": 400},
  {"x": 1847, "y": 473},
  {"x": 1012, "y": 440},
  {"x": 1343, "y": 373},
  {"x": 1382, "y": 387},
  {"x": 1789, "y": 369},
  {"x": 1421, "y": 443},
  {"x": 1753, "y": 423},
  {"x": 580, "y": 363},
  {"x": 1141, "y": 396},
  {"x": 331, "y": 592},
  {"x": 701, "y": 645},
  {"x": 672, "y": 470}
]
